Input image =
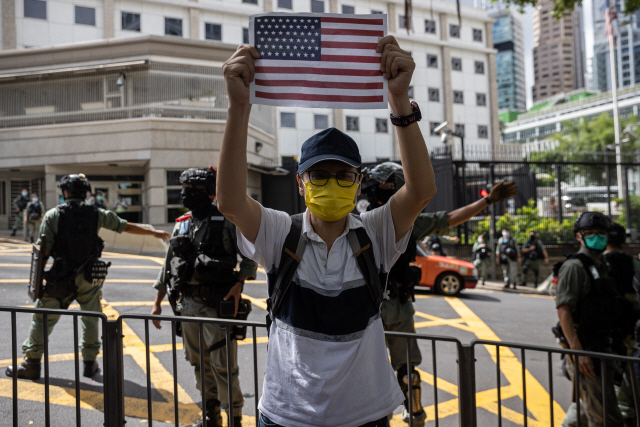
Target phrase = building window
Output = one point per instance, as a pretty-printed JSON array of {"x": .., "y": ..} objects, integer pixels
[
  {"x": 454, "y": 31},
  {"x": 213, "y": 32},
  {"x": 434, "y": 94},
  {"x": 85, "y": 15},
  {"x": 382, "y": 126},
  {"x": 481, "y": 99},
  {"x": 353, "y": 123},
  {"x": 459, "y": 129},
  {"x": 320, "y": 121},
  {"x": 250, "y": 1},
  {"x": 410, "y": 92},
  {"x": 483, "y": 132},
  {"x": 402, "y": 21},
  {"x": 432, "y": 127},
  {"x": 456, "y": 64},
  {"x": 432, "y": 61},
  {"x": 130, "y": 21},
  {"x": 174, "y": 201},
  {"x": 35, "y": 9},
  {"x": 288, "y": 120},
  {"x": 376, "y": 12},
  {"x": 245, "y": 35},
  {"x": 173, "y": 27},
  {"x": 477, "y": 35},
  {"x": 458, "y": 97},
  {"x": 285, "y": 4},
  {"x": 348, "y": 10},
  {"x": 317, "y": 6},
  {"x": 479, "y": 66},
  {"x": 429, "y": 26}
]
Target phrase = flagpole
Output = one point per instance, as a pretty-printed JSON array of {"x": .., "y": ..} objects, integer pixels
[{"x": 614, "y": 95}]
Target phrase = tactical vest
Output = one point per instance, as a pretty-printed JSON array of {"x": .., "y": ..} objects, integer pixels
[
  {"x": 508, "y": 249},
  {"x": 622, "y": 270},
  {"x": 77, "y": 240},
  {"x": 602, "y": 314},
  {"x": 34, "y": 210},
  {"x": 482, "y": 253},
  {"x": 536, "y": 253},
  {"x": 208, "y": 263},
  {"x": 22, "y": 203},
  {"x": 403, "y": 277}
]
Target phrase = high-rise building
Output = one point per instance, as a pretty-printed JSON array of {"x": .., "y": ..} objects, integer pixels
[
  {"x": 508, "y": 41},
  {"x": 627, "y": 51},
  {"x": 558, "y": 58}
]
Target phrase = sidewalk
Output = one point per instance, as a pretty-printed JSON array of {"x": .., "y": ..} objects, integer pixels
[{"x": 499, "y": 286}]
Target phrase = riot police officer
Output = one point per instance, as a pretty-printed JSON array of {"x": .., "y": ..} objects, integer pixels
[
  {"x": 508, "y": 253},
  {"x": 71, "y": 231},
  {"x": 481, "y": 257},
  {"x": 380, "y": 183},
  {"x": 533, "y": 250},
  {"x": 20, "y": 204},
  {"x": 32, "y": 218},
  {"x": 589, "y": 311},
  {"x": 200, "y": 268}
]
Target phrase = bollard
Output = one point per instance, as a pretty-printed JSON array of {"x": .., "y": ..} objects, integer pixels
[
  {"x": 113, "y": 374},
  {"x": 467, "y": 386}
]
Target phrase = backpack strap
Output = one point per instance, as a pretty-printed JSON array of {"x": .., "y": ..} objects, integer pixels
[
  {"x": 292, "y": 251},
  {"x": 363, "y": 251}
]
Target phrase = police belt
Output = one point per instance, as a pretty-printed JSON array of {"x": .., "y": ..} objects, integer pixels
[{"x": 212, "y": 294}]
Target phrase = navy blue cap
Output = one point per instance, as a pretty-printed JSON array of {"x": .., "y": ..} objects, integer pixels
[{"x": 329, "y": 144}]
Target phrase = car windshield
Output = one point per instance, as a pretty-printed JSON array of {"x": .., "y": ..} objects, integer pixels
[{"x": 421, "y": 251}]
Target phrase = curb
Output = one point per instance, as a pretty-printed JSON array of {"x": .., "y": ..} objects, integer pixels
[{"x": 499, "y": 287}]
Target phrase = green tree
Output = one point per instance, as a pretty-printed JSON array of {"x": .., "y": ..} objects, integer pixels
[{"x": 634, "y": 207}]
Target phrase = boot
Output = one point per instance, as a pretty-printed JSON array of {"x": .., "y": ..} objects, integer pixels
[
  {"x": 212, "y": 412},
  {"x": 13, "y": 233},
  {"x": 418, "y": 414},
  {"x": 90, "y": 368},
  {"x": 507, "y": 284},
  {"x": 28, "y": 370},
  {"x": 237, "y": 421}
]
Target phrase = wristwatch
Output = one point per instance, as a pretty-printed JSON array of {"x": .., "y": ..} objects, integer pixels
[
  {"x": 488, "y": 200},
  {"x": 404, "y": 121}
]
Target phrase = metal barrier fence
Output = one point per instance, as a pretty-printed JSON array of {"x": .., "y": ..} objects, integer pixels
[{"x": 113, "y": 367}]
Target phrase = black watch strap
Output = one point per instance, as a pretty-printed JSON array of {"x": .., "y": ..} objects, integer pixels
[{"x": 404, "y": 121}]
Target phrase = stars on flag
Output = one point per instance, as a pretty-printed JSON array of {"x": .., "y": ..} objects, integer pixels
[{"x": 302, "y": 43}]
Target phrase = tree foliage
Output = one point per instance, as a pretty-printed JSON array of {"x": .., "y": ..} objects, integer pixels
[
  {"x": 528, "y": 219},
  {"x": 560, "y": 7}
]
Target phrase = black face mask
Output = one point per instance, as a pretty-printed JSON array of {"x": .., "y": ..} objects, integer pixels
[
  {"x": 532, "y": 238},
  {"x": 198, "y": 201}
]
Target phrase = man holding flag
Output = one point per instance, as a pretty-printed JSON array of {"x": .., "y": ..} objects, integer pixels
[{"x": 327, "y": 363}]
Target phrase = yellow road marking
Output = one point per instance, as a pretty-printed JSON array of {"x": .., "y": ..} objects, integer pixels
[
  {"x": 260, "y": 302},
  {"x": 536, "y": 296},
  {"x": 437, "y": 321},
  {"x": 159, "y": 260},
  {"x": 537, "y": 396},
  {"x": 106, "y": 281},
  {"x": 142, "y": 267}
]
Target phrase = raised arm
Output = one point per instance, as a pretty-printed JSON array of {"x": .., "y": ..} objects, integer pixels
[
  {"x": 231, "y": 185},
  {"x": 500, "y": 191},
  {"x": 420, "y": 187}
]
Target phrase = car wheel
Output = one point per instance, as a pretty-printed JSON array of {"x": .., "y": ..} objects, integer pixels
[{"x": 449, "y": 284}]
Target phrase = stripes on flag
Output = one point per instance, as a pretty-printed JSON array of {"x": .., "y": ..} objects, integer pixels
[{"x": 318, "y": 60}]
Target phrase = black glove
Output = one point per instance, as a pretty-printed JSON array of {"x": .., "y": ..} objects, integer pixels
[{"x": 502, "y": 191}]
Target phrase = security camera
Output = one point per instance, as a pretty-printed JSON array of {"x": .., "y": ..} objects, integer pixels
[
  {"x": 444, "y": 137},
  {"x": 441, "y": 127},
  {"x": 120, "y": 80}
]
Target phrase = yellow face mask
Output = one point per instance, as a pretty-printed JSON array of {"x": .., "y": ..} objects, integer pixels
[{"x": 330, "y": 202}]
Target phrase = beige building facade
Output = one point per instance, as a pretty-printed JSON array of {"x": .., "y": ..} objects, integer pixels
[
  {"x": 129, "y": 113},
  {"x": 558, "y": 52}
]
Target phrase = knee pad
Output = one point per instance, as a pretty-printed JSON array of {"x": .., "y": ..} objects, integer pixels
[{"x": 416, "y": 390}]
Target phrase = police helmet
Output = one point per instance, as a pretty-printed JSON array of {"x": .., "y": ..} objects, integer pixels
[
  {"x": 387, "y": 172},
  {"x": 592, "y": 220},
  {"x": 617, "y": 234},
  {"x": 77, "y": 185},
  {"x": 200, "y": 176}
]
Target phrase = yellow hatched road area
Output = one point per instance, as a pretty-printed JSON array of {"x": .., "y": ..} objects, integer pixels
[{"x": 162, "y": 379}]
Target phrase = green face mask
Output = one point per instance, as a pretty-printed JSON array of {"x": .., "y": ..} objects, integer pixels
[{"x": 595, "y": 243}]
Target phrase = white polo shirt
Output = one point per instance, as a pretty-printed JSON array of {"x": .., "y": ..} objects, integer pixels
[{"x": 327, "y": 363}]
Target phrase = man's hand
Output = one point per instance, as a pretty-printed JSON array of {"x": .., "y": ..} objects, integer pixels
[
  {"x": 156, "y": 310},
  {"x": 239, "y": 71},
  {"x": 235, "y": 292},
  {"x": 397, "y": 65},
  {"x": 162, "y": 235},
  {"x": 502, "y": 191}
]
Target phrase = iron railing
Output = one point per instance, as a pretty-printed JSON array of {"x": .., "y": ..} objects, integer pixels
[{"x": 113, "y": 365}]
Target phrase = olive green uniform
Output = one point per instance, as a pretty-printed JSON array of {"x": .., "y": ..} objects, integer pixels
[
  {"x": 510, "y": 269},
  {"x": 532, "y": 264},
  {"x": 398, "y": 317},
  {"x": 481, "y": 264},
  {"x": 88, "y": 295},
  {"x": 215, "y": 362},
  {"x": 573, "y": 284},
  {"x": 19, "y": 219},
  {"x": 32, "y": 227}
]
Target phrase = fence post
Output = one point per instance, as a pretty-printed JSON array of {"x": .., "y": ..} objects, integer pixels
[
  {"x": 466, "y": 386},
  {"x": 559, "y": 190},
  {"x": 113, "y": 364},
  {"x": 492, "y": 224},
  {"x": 627, "y": 204}
]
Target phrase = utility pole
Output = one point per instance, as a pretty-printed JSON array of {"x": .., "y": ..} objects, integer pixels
[{"x": 610, "y": 17}]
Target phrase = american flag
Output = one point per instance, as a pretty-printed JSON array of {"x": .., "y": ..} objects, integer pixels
[
  {"x": 609, "y": 17},
  {"x": 321, "y": 60}
]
